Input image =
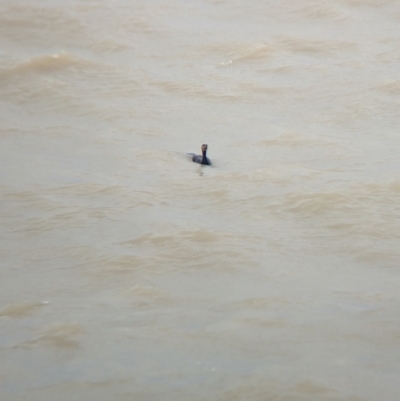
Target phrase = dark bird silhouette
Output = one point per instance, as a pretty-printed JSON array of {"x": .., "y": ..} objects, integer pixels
[{"x": 201, "y": 159}]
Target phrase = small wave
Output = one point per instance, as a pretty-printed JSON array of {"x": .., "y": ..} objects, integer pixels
[
  {"x": 288, "y": 139},
  {"x": 294, "y": 140},
  {"x": 198, "y": 236},
  {"x": 31, "y": 199},
  {"x": 35, "y": 226},
  {"x": 197, "y": 248},
  {"x": 304, "y": 204},
  {"x": 59, "y": 336},
  {"x": 229, "y": 92},
  {"x": 252, "y": 88},
  {"x": 108, "y": 45},
  {"x": 91, "y": 190},
  {"x": 194, "y": 89},
  {"x": 45, "y": 64},
  {"x": 240, "y": 52},
  {"x": 254, "y": 52},
  {"x": 107, "y": 79},
  {"x": 392, "y": 88},
  {"x": 143, "y": 296},
  {"x": 384, "y": 190},
  {"x": 50, "y": 62},
  {"x": 21, "y": 309},
  {"x": 258, "y": 303},
  {"x": 367, "y": 3},
  {"x": 366, "y": 210},
  {"x": 314, "y": 47},
  {"x": 322, "y": 9}
]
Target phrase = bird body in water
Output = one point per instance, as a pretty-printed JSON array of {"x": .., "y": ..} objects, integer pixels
[{"x": 201, "y": 159}]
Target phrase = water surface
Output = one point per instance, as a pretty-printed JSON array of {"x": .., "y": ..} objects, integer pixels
[{"x": 130, "y": 273}]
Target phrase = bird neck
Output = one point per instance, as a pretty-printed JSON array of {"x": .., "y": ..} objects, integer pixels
[{"x": 204, "y": 160}]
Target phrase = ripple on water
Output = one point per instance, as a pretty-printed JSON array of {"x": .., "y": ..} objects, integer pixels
[
  {"x": 18, "y": 310},
  {"x": 63, "y": 335}
]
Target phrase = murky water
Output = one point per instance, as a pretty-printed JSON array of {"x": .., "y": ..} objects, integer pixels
[{"x": 130, "y": 273}]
